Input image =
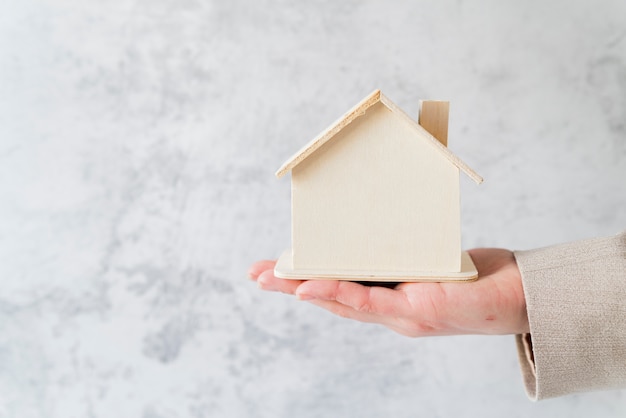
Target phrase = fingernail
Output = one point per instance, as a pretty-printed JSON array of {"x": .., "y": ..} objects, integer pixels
[{"x": 304, "y": 296}]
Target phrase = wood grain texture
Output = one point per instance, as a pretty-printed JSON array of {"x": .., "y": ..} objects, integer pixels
[
  {"x": 433, "y": 116},
  {"x": 376, "y": 198},
  {"x": 432, "y": 140},
  {"x": 358, "y": 110}
]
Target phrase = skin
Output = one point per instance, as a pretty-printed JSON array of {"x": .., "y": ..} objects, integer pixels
[{"x": 494, "y": 304}]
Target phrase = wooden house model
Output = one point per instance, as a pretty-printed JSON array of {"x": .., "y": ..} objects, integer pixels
[{"x": 376, "y": 197}]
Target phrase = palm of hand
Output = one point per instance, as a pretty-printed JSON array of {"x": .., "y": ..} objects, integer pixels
[{"x": 494, "y": 304}]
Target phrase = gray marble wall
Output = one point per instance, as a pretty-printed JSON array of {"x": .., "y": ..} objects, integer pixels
[{"x": 138, "y": 142}]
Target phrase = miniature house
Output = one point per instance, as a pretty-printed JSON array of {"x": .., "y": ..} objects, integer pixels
[{"x": 376, "y": 197}]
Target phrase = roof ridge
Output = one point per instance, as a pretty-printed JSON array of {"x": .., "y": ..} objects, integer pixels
[
  {"x": 312, "y": 146},
  {"x": 359, "y": 110}
]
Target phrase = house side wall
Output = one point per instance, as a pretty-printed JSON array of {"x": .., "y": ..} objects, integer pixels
[{"x": 376, "y": 198}]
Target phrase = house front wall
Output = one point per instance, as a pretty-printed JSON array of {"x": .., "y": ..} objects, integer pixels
[{"x": 376, "y": 197}]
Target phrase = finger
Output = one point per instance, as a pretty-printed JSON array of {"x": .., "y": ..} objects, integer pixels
[
  {"x": 267, "y": 281},
  {"x": 433, "y": 302},
  {"x": 344, "y": 311},
  {"x": 408, "y": 328},
  {"x": 259, "y": 267},
  {"x": 365, "y": 299}
]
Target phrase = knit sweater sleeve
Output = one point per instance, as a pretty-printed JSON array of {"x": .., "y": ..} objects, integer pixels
[{"x": 576, "y": 303}]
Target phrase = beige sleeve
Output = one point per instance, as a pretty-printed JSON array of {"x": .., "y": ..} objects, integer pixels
[{"x": 576, "y": 301}]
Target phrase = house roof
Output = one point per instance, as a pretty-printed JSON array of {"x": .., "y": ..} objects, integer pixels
[{"x": 359, "y": 110}]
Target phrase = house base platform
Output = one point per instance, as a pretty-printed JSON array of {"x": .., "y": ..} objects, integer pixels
[{"x": 284, "y": 270}]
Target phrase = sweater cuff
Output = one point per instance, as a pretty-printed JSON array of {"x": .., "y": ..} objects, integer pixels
[
  {"x": 527, "y": 364},
  {"x": 576, "y": 303}
]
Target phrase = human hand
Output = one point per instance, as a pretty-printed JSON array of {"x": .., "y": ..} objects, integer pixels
[{"x": 493, "y": 304}]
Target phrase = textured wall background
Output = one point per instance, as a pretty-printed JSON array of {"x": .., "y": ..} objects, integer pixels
[{"x": 138, "y": 141}]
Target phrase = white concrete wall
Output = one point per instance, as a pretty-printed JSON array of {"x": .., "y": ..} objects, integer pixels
[{"x": 138, "y": 142}]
